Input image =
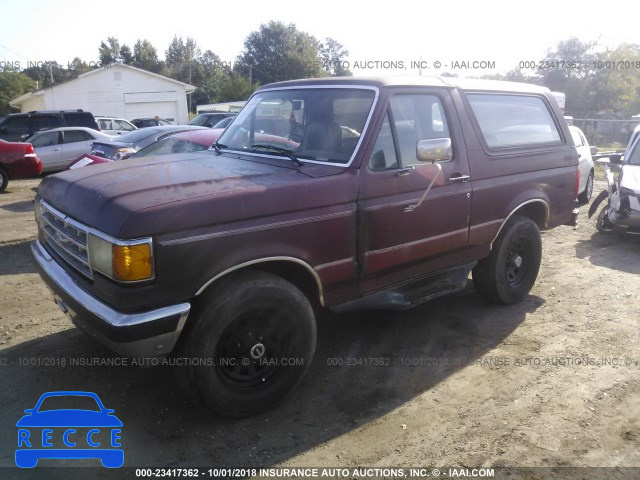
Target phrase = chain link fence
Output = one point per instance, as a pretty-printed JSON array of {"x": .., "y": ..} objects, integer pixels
[{"x": 607, "y": 133}]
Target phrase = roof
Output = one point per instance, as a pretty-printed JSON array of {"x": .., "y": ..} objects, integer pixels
[
  {"x": 16, "y": 102},
  {"x": 411, "y": 81}
]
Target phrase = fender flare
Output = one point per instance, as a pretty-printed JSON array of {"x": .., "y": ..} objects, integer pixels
[{"x": 266, "y": 260}]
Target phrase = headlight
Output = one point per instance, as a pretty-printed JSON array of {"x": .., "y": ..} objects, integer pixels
[{"x": 130, "y": 261}]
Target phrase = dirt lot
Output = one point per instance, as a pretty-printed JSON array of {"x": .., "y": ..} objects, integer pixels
[{"x": 553, "y": 381}]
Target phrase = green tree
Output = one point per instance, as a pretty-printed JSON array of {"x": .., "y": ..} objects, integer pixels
[
  {"x": 145, "y": 56},
  {"x": 180, "y": 57},
  {"x": 126, "y": 55},
  {"x": 615, "y": 87},
  {"x": 233, "y": 86},
  {"x": 334, "y": 58},
  {"x": 571, "y": 70},
  {"x": 279, "y": 52},
  {"x": 109, "y": 52},
  {"x": 12, "y": 85}
]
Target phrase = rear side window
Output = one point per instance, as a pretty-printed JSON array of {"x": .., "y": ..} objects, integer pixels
[
  {"x": 577, "y": 139},
  {"x": 514, "y": 120},
  {"x": 80, "y": 119},
  {"x": 73, "y": 136}
]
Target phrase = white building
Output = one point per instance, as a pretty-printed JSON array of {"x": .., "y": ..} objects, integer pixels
[{"x": 115, "y": 90}]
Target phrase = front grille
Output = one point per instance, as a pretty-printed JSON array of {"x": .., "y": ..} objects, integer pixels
[{"x": 66, "y": 237}]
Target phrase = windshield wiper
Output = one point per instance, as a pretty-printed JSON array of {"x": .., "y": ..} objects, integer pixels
[
  {"x": 218, "y": 146},
  {"x": 284, "y": 151}
]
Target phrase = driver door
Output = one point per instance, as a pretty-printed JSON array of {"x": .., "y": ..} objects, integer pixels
[{"x": 395, "y": 243}]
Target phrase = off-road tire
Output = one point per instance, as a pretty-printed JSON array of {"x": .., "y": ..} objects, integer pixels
[
  {"x": 507, "y": 275},
  {"x": 251, "y": 314}
]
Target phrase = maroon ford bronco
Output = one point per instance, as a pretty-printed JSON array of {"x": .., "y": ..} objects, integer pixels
[{"x": 382, "y": 194}]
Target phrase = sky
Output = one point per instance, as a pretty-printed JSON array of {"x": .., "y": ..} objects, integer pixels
[{"x": 381, "y": 37}]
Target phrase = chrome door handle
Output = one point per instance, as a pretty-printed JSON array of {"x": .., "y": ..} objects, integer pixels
[
  {"x": 460, "y": 178},
  {"x": 404, "y": 171}
]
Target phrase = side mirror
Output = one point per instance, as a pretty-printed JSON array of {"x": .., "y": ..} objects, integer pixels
[
  {"x": 434, "y": 150},
  {"x": 593, "y": 149},
  {"x": 209, "y": 124},
  {"x": 29, "y": 411},
  {"x": 616, "y": 159}
]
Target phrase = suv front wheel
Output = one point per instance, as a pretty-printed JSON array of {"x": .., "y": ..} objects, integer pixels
[
  {"x": 254, "y": 338},
  {"x": 509, "y": 272}
]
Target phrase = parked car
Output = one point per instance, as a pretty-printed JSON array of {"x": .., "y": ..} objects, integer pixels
[
  {"x": 585, "y": 158},
  {"x": 115, "y": 126},
  {"x": 17, "y": 160},
  {"x": 150, "y": 122},
  {"x": 182, "y": 142},
  {"x": 635, "y": 134},
  {"x": 126, "y": 145},
  {"x": 60, "y": 147},
  {"x": 210, "y": 119},
  {"x": 19, "y": 126},
  {"x": 224, "y": 123},
  {"x": 227, "y": 254}
]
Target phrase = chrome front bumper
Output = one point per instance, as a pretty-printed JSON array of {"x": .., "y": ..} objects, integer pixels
[{"x": 144, "y": 334}]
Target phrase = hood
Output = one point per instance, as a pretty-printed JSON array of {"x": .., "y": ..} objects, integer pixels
[{"x": 170, "y": 193}]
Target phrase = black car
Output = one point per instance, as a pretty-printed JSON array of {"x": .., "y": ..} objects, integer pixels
[
  {"x": 15, "y": 127},
  {"x": 150, "y": 122},
  {"x": 210, "y": 119},
  {"x": 129, "y": 143}
]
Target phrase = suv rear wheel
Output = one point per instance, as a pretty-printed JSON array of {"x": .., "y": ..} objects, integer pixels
[
  {"x": 509, "y": 272},
  {"x": 257, "y": 333},
  {"x": 4, "y": 180}
]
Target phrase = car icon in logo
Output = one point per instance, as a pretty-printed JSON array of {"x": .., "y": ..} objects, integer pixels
[{"x": 88, "y": 430}]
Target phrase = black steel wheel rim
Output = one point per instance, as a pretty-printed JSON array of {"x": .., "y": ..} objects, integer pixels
[
  {"x": 518, "y": 262},
  {"x": 250, "y": 350}
]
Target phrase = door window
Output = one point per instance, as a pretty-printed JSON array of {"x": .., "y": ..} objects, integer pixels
[
  {"x": 410, "y": 118},
  {"x": 45, "y": 140},
  {"x": 384, "y": 156}
]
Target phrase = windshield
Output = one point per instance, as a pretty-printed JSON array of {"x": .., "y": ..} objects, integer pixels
[
  {"x": 69, "y": 402},
  {"x": 170, "y": 145},
  {"x": 321, "y": 124}
]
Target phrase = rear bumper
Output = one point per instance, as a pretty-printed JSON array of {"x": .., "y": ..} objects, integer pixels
[
  {"x": 144, "y": 334},
  {"x": 573, "y": 220}
]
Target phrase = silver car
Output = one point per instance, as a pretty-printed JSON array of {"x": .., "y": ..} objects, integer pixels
[
  {"x": 585, "y": 152},
  {"x": 60, "y": 147},
  {"x": 115, "y": 126}
]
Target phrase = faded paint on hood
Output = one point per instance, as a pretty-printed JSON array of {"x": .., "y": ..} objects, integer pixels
[{"x": 170, "y": 193}]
